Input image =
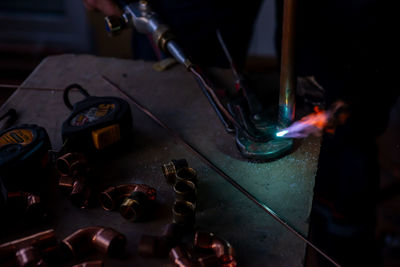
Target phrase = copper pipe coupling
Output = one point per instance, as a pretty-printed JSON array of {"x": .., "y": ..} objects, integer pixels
[
  {"x": 29, "y": 251},
  {"x": 134, "y": 201},
  {"x": 73, "y": 169},
  {"x": 86, "y": 240}
]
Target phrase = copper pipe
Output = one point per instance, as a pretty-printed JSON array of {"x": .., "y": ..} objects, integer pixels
[
  {"x": 222, "y": 249},
  {"x": 105, "y": 240},
  {"x": 169, "y": 169},
  {"x": 288, "y": 77},
  {"x": 112, "y": 197},
  {"x": 72, "y": 164},
  {"x": 180, "y": 258},
  {"x": 27, "y": 249},
  {"x": 90, "y": 264}
]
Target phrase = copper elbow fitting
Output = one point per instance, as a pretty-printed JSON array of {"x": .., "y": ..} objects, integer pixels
[
  {"x": 180, "y": 258},
  {"x": 222, "y": 249},
  {"x": 169, "y": 169},
  {"x": 105, "y": 240},
  {"x": 72, "y": 164},
  {"x": 138, "y": 203},
  {"x": 28, "y": 251}
]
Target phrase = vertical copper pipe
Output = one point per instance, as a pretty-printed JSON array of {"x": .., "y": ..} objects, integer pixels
[{"x": 288, "y": 77}]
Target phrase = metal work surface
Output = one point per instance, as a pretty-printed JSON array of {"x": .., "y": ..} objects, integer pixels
[{"x": 285, "y": 185}]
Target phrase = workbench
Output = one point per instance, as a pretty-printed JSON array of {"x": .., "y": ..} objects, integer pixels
[{"x": 285, "y": 185}]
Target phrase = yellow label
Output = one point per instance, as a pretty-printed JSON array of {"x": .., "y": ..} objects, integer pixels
[
  {"x": 106, "y": 136},
  {"x": 16, "y": 136}
]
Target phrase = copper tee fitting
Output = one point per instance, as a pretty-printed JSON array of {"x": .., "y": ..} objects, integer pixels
[
  {"x": 105, "y": 240},
  {"x": 29, "y": 251},
  {"x": 169, "y": 169},
  {"x": 222, "y": 249},
  {"x": 112, "y": 197}
]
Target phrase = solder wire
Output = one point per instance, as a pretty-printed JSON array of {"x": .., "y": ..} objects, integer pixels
[{"x": 218, "y": 170}]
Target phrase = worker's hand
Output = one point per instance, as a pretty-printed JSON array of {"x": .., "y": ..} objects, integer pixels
[{"x": 107, "y": 7}]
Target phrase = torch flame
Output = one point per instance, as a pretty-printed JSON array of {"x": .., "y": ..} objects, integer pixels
[{"x": 313, "y": 123}]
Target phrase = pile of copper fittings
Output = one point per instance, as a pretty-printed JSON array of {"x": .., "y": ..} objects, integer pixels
[
  {"x": 184, "y": 180},
  {"x": 134, "y": 201},
  {"x": 74, "y": 172},
  {"x": 27, "y": 204},
  {"x": 43, "y": 249},
  {"x": 34, "y": 250}
]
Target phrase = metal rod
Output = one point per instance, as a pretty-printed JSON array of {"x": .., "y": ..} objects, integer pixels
[
  {"x": 218, "y": 170},
  {"x": 287, "y": 77}
]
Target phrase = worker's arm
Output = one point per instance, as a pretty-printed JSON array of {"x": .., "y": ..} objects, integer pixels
[{"x": 107, "y": 7}]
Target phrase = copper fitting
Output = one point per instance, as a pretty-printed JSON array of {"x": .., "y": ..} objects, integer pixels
[
  {"x": 169, "y": 169},
  {"x": 113, "y": 196},
  {"x": 222, "y": 249},
  {"x": 28, "y": 251},
  {"x": 66, "y": 182},
  {"x": 183, "y": 212},
  {"x": 105, "y": 240},
  {"x": 185, "y": 190},
  {"x": 140, "y": 201},
  {"x": 29, "y": 202},
  {"x": 72, "y": 164},
  {"x": 80, "y": 193},
  {"x": 159, "y": 246},
  {"x": 209, "y": 261},
  {"x": 180, "y": 257},
  {"x": 90, "y": 264},
  {"x": 187, "y": 173}
]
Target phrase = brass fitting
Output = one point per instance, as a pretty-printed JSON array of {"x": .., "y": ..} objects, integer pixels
[
  {"x": 180, "y": 257},
  {"x": 159, "y": 246},
  {"x": 29, "y": 251},
  {"x": 169, "y": 169},
  {"x": 222, "y": 249},
  {"x": 186, "y": 173},
  {"x": 72, "y": 164},
  {"x": 185, "y": 190},
  {"x": 183, "y": 212},
  {"x": 112, "y": 197},
  {"x": 138, "y": 203},
  {"x": 105, "y": 240},
  {"x": 90, "y": 264}
]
